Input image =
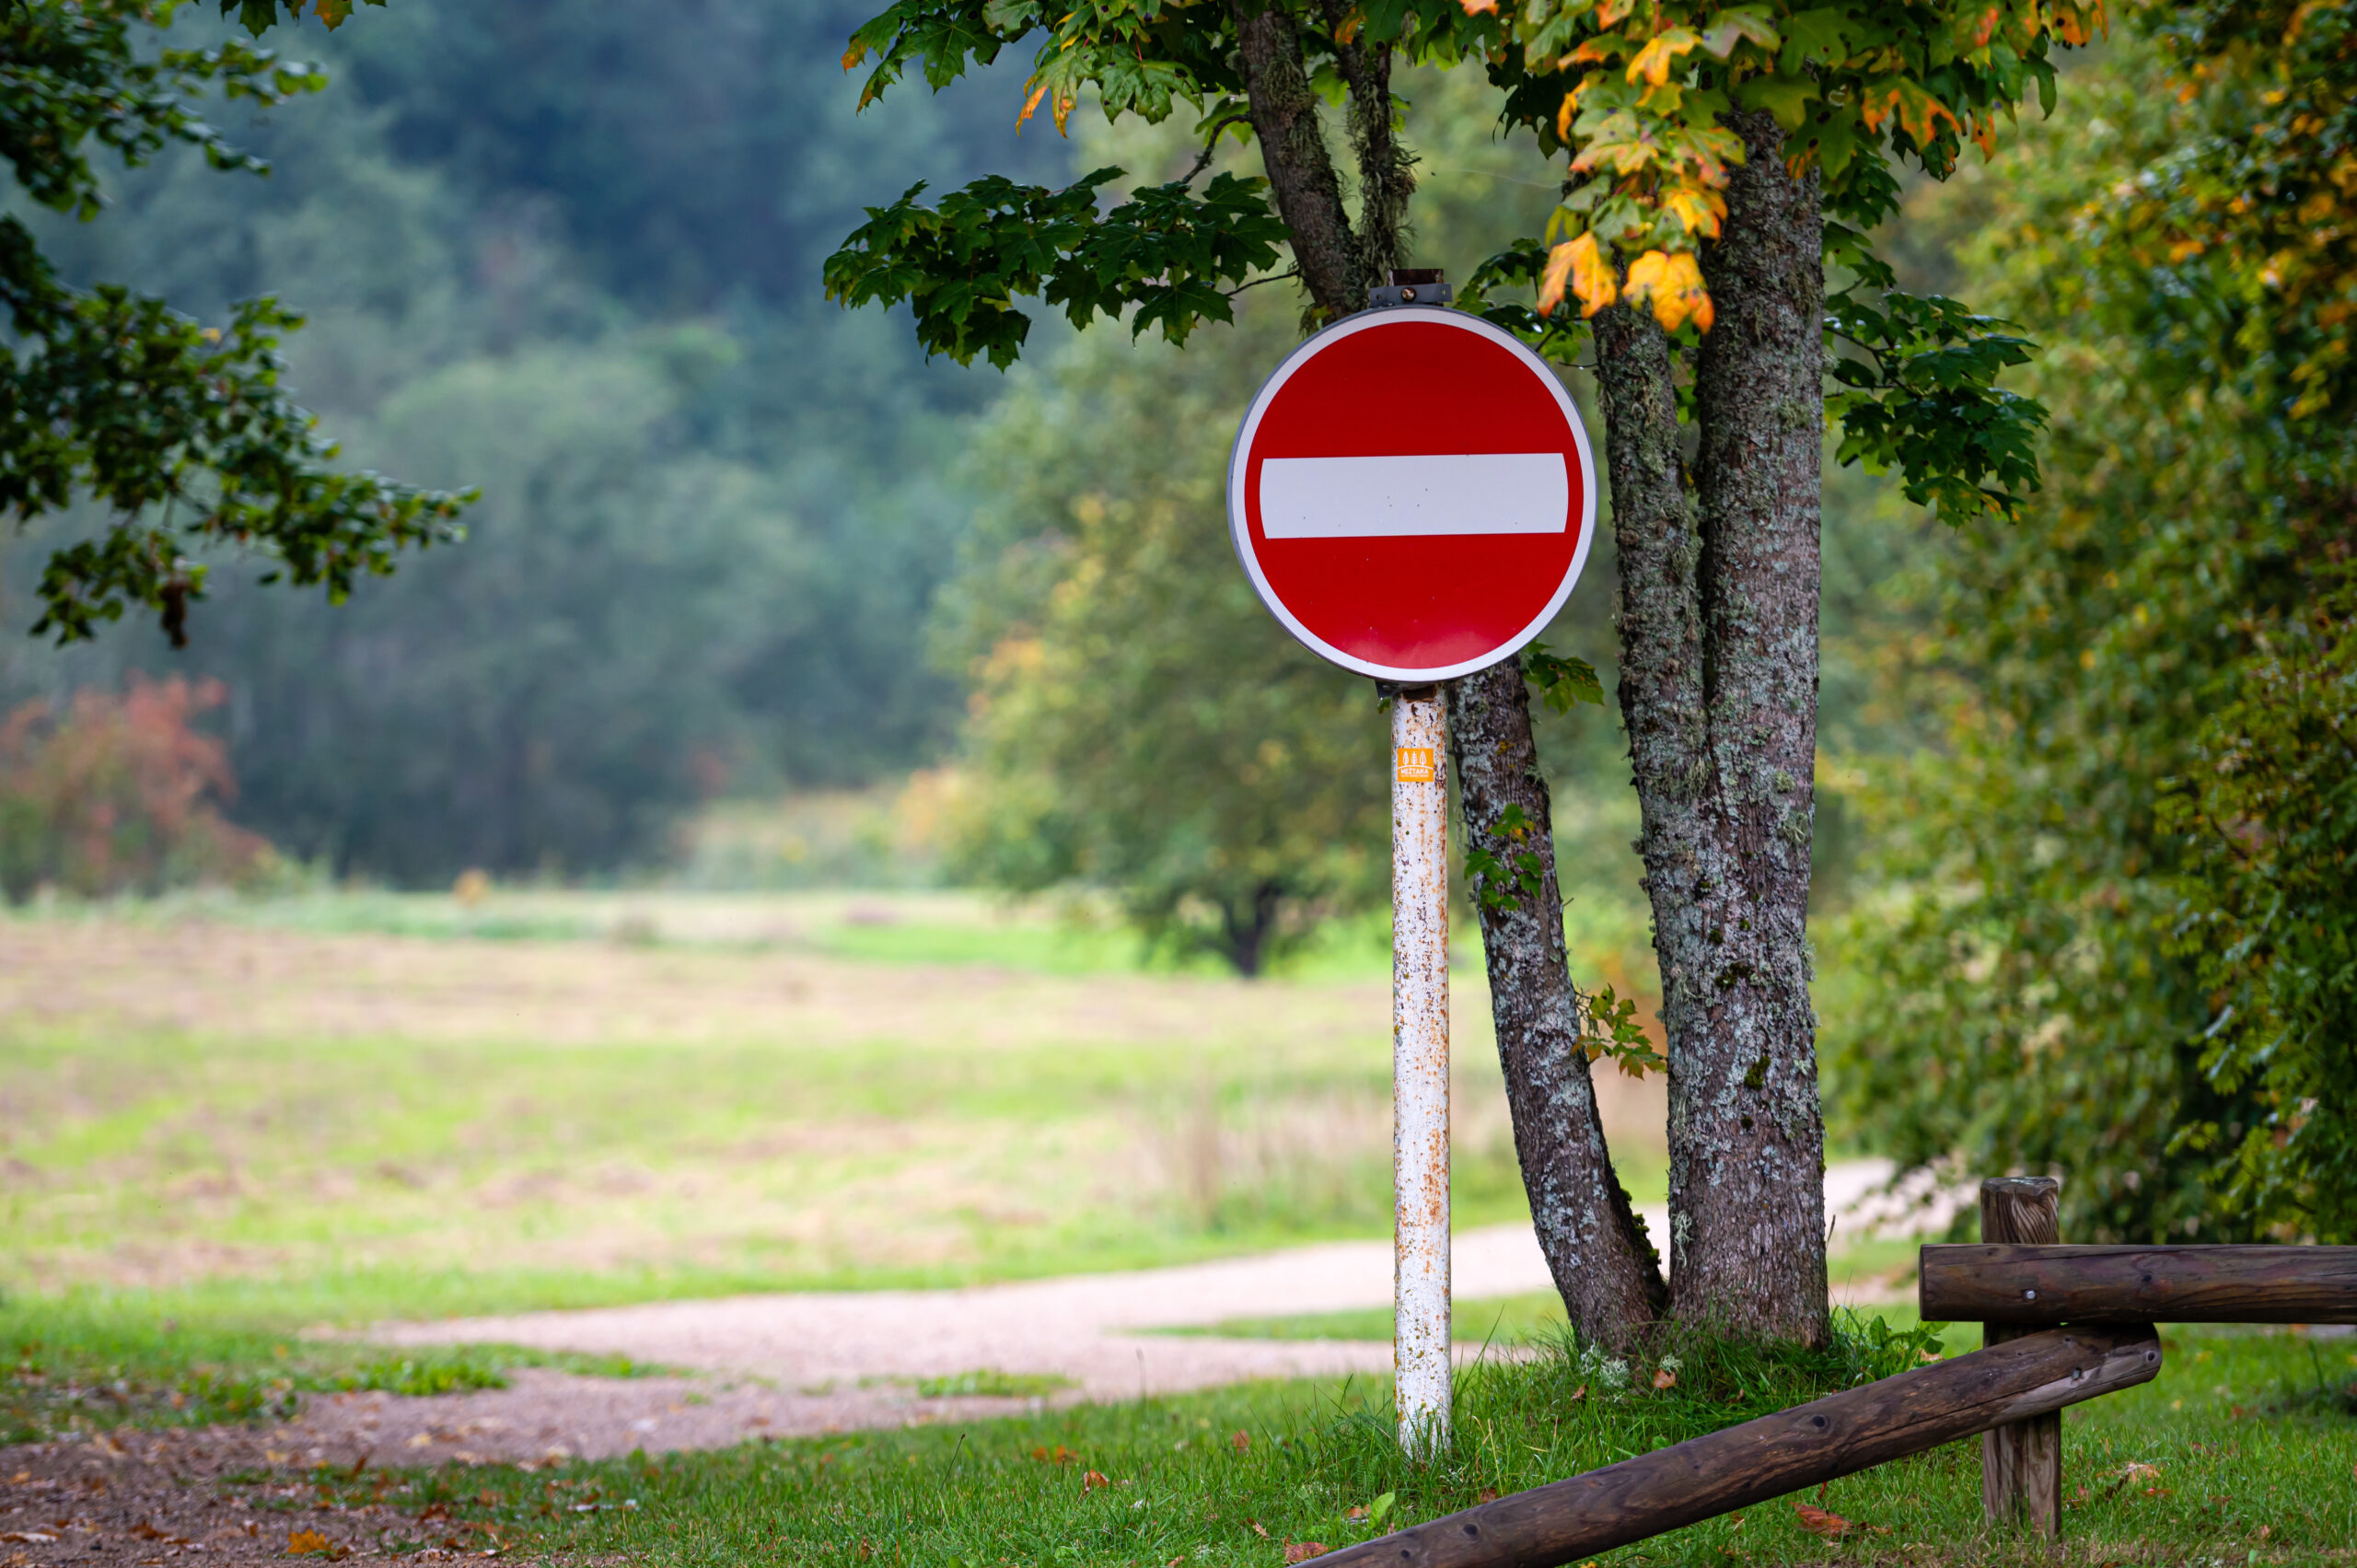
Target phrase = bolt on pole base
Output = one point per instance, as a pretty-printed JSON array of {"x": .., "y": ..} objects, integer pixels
[{"x": 1420, "y": 1341}]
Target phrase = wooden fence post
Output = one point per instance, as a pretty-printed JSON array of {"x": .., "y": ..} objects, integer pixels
[{"x": 2021, "y": 1463}]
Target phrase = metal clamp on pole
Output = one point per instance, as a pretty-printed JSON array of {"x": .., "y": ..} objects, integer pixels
[
  {"x": 1412, "y": 285},
  {"x": 1420, "y": 1307}
]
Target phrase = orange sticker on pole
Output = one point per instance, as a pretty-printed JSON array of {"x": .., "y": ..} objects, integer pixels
[{"x": 1418, "y": 764}]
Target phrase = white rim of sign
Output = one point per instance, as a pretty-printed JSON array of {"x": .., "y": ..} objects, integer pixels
[{"x": 1240, "y": 531}]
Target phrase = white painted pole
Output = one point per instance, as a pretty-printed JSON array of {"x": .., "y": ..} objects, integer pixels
[{"x": 1420, "y": 1335}]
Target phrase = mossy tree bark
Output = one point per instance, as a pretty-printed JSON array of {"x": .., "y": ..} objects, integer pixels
[
  {"x": 1718, "y": 687},
  {"x": 1596, "y": 1247}
]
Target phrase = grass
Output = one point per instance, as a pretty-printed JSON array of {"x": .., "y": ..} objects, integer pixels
[
  {"x": 80, "y": 1366},
  {"x": 2241, "y": 1452}
]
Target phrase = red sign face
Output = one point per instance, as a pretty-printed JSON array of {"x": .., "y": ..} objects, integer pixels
[{"x": 1413, "y": 495}]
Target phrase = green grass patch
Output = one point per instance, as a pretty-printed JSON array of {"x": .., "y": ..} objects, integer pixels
[
  {"x": 91, "y": 1363},
  {"x": 2229, "y": 1456},
  {"x": 991, "y": 1384}
]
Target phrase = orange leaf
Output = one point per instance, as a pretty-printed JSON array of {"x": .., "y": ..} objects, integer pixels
[
  {"x": 1093, "y": 1480},
  {"x": 1303, "y": 1551},
  {"x": 1349, "y": 28},
  {"x": 1038, "y": 92},
  {"x": 1665, "y": 1378},
  {"x": 1817, "y": 1521},
  {"x": 855, "y": 54},
  {"x": 1475, "y": 7},
  {"x": 1241, "y": 1442}
]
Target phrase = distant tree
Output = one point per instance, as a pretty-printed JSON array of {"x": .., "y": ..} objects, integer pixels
[
  {"x": 1139, "y": 722},
  {"x": 180, "y": 430},
  {"x": 1708, "y": 148}
]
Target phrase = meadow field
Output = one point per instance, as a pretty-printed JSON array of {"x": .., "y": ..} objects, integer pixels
[
  {"x": 404, "y": 1104},
  {"x": 235, "y": 1132}
]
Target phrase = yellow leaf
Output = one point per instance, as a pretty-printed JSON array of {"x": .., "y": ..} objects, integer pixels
[
  {"x": 1564, "y": 116},
  {"x": 1672, "y": 284},
  {"x": 1698, "y": 209},
  {"x": 1592, "y": 276},
  {"x": 1579, "y": 266},
  {"x": 1654, "y": 62},
  {"x": 1610, "y": 13}
]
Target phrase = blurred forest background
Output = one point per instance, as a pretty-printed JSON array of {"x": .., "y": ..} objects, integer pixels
[{"x": 755, "y": 598}]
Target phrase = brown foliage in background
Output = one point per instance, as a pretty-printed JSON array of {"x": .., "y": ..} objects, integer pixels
[{"x": 120, "y": 794}]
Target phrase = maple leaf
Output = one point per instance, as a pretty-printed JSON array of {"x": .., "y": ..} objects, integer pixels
[
  {"x": 332, "y": 13},
  {"x": 1817, "y": 1521},
  {"x": 1698, "y": 209},
  {"x": 1654, "y": 62},
  {"x": 1672, "y": 284}
]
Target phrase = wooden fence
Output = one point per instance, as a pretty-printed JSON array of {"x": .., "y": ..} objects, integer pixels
[{"x": 2059, "y": 1324}]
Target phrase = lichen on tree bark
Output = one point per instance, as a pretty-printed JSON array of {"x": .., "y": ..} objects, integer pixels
[
  {"x": 1603, "y": 1263},
  {"x": 1718, "y": 687}
]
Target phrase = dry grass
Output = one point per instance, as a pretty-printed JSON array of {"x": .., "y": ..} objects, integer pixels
[{"x": 187, "y": 1100}]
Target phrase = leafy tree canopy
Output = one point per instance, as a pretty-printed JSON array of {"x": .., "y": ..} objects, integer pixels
[
  {"x": 2115, "y": 947},
  {"x": 181, "y": 430},
  {"x": 1633, "y": 95}
]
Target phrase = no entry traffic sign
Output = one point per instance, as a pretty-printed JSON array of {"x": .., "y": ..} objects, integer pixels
[{"x": 1413, "y": 493}]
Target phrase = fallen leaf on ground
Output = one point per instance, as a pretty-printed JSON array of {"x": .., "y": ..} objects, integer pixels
[
  {"x": 1817, "y": 1521},
  {"x": 1489, "y": 1495},
  {"x": 31, "y": 1537},
  {"x": 1241, "y": 1442},
  {"x": 1579, "y": 1393},
  {"x": 1058, "y": 1455},
  {"x": 1303, "y": 1551},
  {"x": 1093, "y": 1480},
  {"x": 1665, "y": 1378},
  {"x": 1358, "y": 1513},
  {"x": 302, "y": 1543},
  {"x": 1257, "y": 1529}
]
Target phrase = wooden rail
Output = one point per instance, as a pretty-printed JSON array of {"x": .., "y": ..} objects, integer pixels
[
  {"x": 1838, "y": 1435},
  {"x": 2044, "y": 1285}
]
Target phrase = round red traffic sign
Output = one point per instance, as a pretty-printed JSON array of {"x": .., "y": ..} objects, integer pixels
[{"x": 1413, "y": 495}]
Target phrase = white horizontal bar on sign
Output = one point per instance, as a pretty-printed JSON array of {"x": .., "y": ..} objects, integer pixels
[{"x": 1464, "y": 493}]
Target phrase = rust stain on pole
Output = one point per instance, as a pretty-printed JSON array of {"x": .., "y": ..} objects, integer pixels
[{"x": 1419, "y": 1070}]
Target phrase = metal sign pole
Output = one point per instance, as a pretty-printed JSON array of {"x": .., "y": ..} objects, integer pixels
[{"x": 1420, "y": 1332}]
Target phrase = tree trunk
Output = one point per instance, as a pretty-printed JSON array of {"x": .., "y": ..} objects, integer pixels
[
  {"x": 1603, "y": 1263},
  {"x": 1596, "y": 1247},
  {"x": 1718, "y": 684},
  {"x": 1292, "y": 151}
]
